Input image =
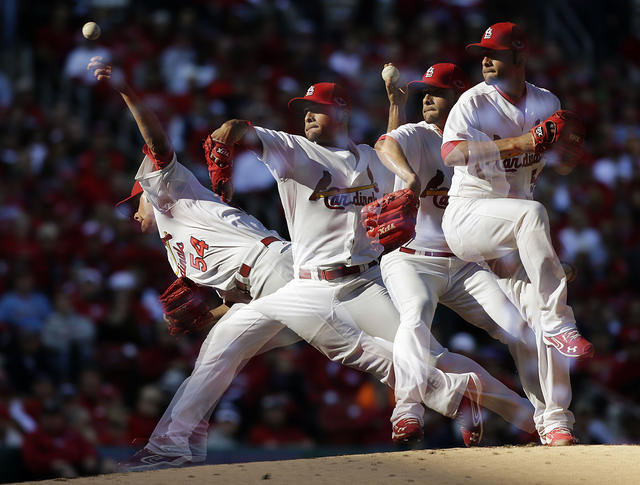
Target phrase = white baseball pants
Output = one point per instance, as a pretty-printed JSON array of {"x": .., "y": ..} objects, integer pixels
[
  {"x": 417, "y": 284},
  {"x": 486, "y": 229}
]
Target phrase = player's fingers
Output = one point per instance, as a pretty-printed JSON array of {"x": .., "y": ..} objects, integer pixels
[{"x": 97, "y": 59}]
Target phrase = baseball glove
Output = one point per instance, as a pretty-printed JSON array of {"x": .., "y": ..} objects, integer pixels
[
  {"x": 564, "y": 130},
  {"x": 219, "y": 157},
  {"x": 184, "y": 307},
  {"x": 392, "y": 219}
]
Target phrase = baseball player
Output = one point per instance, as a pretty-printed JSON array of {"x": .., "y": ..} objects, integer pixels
[
  {"x": 323, "y": 180},
  {"x": 424, "y": 271},
  {"x": 495, "y": 137},
  {"x": 223, "y": 248}
]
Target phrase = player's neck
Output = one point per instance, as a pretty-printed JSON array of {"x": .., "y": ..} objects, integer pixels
[{"x": 513, "y": 91}]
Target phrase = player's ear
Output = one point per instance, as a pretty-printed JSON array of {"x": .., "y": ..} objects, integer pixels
[{"x": 341, "y": 115}]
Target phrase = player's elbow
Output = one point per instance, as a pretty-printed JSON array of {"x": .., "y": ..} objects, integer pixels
[{"x": 454, "y": 158}]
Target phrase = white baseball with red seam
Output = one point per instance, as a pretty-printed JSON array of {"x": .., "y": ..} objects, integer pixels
[
  {"x": 390, "y": 72},
  {"x": 91, "y": 30}
]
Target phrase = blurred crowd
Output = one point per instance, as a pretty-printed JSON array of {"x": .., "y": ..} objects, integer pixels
[{"x": 86, "y": 360}]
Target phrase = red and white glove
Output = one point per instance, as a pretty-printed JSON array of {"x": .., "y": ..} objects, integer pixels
[
  {"x": 184, "y": 306},
  {"x": 391, "y": 220},
  {"x": 562, "y": 130},
  {"x": 219, "y": 157}
]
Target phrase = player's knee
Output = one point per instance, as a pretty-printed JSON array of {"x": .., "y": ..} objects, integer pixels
[{"x": 536, "y": 215}]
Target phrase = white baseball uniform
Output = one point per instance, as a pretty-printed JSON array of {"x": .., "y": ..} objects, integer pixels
[
  {"x": 185, "y": 210},
  {"x": 491, "y": 215},
  {"x": 425, "y": 272}
]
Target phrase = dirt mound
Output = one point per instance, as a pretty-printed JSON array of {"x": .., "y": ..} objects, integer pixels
[{"x": 618, "y": 465}]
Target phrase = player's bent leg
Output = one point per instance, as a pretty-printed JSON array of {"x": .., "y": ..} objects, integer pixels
[
  {"x": 495, "y": 395},
  {"x": 229, "y": 345},
  {"x": 366, "y": 305}
]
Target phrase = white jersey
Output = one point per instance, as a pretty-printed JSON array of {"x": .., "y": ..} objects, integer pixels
[
  {"x": 483, "y": 114},
  {"x": 206, "y": 240},
  {"x": 421, "y": 144},
  {"x": 322, "y": 191}
]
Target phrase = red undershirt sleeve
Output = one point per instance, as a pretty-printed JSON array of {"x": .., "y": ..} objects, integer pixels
[{"x": 448, "y": 147}]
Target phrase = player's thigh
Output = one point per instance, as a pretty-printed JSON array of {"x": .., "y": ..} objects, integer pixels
[
  {"x": 482, "y": 229},
  {"x": 476, "y": 296},
  {"x": 365, "y": 301},
  {"x": 241, "y": 332},
  {"x": 304, "y": 306},
  {"x": 414, "y": 283}
]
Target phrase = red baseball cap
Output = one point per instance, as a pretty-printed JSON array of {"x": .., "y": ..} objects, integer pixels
[
  {"x": 502, "y": 36},
  {"x": 323, "y": 93},
  {"x": 136, "y": 190},
  {"x": 444, "y": 75}
]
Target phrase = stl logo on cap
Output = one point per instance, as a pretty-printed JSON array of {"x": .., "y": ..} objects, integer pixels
[
  {"x": 310, "y": 91},
  {"x": 429, "y": 72},
  {"x": 488, "y": 33}
]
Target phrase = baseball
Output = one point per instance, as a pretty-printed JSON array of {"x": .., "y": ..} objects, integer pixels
[
  {"x": 91, "y": 30},
  {"x": 390, "y": 72}
]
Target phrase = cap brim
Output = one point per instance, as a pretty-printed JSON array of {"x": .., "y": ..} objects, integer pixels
[
  {"x": 479, "y": 49},
  {"x": 420, "y": 84},
  {"x": 297, "y": 104},
  {"x": 135, "y": 191}
]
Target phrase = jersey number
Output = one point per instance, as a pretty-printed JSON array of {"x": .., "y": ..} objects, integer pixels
[{"x": 198, "y": 262}]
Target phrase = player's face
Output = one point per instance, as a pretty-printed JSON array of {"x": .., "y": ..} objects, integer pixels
[
  {"x": 497, "y": 66},
  {"x": 320, "y": 123},
  {"x": 436, "y": 104},
  {"x": 145, "y": 216}
]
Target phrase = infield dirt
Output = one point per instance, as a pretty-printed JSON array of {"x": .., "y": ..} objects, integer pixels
[{"x": 593, "y": 464}]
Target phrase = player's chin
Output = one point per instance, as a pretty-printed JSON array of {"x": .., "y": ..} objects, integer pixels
[
  {"x": 312, "y": 134},
  {"x": 147, "y": 226},
  {"x": 431, "y": 116},
  {"x": 490, "y": 78}
]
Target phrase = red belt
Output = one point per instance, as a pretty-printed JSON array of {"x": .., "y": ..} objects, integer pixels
[
  {"x": 339, "y": 272},
  {"x": 244, "y": 269},
  {"x": 435, "y": 254}
]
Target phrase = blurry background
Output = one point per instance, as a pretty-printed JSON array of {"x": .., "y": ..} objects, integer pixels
[{"x": 81, "y": 334}]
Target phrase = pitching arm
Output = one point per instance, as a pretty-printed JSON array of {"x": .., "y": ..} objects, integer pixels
[
  {"x": 148, "y": 124},
  {"x": 397, "y": 102},
  {"x": 392, "y": 157}
]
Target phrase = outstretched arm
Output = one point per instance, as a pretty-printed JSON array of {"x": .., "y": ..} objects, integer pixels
[{"x": 148, "y": 124}]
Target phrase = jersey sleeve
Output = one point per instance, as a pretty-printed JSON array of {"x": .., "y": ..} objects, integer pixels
[
  {"x": 463, "y": 123},
  {"x": 278, "y": 152},
  {"x": 164, "y": 187}
]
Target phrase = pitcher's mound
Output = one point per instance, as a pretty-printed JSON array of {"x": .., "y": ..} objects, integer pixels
[{"x": 593, "y": 464}]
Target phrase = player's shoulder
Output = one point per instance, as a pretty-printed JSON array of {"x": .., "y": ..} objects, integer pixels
[
  {"x": 480, "y": 90},
  {"x": 474, "y": 96},
  {"x": 543, "y": 96}
]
